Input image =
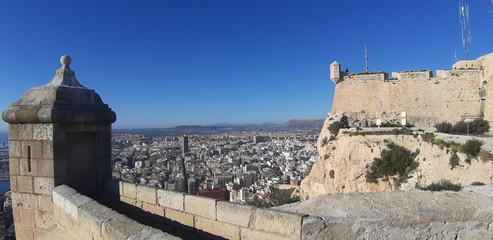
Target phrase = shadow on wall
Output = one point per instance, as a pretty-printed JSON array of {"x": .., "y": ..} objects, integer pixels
[{"x": 196, "y": 217}]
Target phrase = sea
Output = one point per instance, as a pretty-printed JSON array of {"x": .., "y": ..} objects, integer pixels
[{"x": 4, "y": 185}]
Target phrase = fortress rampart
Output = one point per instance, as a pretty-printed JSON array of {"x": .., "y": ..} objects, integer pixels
[
  {"x": 425, "y": 98},
  {"x": 195, "y": 217}
]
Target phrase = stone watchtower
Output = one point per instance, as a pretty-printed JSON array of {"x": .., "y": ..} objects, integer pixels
[
  {"x": 59, "y": 133},
  {"x": 335, "y": 72}
]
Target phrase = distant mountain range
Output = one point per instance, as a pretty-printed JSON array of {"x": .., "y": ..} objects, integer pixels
[
  {"x": 304, "y": 124},
  {"x": 312, "y": 125}
]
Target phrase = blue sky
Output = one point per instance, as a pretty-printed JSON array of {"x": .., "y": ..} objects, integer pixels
[{"x": 168, "y": 63}]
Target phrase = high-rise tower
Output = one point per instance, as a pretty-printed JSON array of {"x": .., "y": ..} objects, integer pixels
[{"x": 184, "y": 145}]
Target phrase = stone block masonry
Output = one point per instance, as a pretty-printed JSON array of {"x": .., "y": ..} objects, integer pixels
[
  {"x": 32, "y": 177},
  {"x": 189, "y": 215},
  {"x": 84, "y": 218}
]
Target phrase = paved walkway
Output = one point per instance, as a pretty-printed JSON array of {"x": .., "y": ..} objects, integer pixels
[{"x": 488, "y": 141}]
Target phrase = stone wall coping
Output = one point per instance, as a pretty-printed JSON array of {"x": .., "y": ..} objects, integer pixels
[
  {"x": 100, "y": 221},
  {"x": 214, "y": 213},
  {"x": 60, "y": 193}
]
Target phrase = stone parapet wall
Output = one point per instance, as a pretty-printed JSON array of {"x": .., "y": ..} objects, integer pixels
[
  {"x": 412, "y": 75},
  {"x": 366, "y": 77},
  {"x": 84, "y": 218},
  {"x": 475, "y": 74},
  {"x": 191, "y": 216}
]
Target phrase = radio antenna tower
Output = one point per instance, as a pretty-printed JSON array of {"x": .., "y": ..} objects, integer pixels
[
  {"x": 366, "y": 58},
  {"x": 464, "y": 21}
]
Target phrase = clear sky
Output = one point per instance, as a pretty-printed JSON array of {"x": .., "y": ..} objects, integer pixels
[{"x": 167, "y": 63}]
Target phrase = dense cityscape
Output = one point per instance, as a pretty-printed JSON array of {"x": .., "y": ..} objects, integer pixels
[{"x": 234, "y": 166}]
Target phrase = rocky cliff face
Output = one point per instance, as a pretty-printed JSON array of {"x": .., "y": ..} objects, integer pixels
[{"x": 343, "y": 163}]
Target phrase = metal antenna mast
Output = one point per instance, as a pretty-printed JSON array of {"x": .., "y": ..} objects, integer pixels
[
  {"x": 464, "y": 21},
  {"x": 366, "y": 58}
]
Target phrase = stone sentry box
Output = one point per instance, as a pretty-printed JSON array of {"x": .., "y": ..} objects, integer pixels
[{"x": 59, "y": 133}]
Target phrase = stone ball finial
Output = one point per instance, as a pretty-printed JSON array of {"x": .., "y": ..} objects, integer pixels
[{"x": 66, "y": 60}]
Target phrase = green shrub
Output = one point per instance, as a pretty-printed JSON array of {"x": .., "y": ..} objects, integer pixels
[
  {"x": 444, "y": 127},
  {"x": 478, "y": 126},
  {"x": 332, "y": 138},
  {"x": 428, "y": 137},
  {"x": 277, "y": 197},
  {"x": 396, "y": 160},
  {"x": 443, "y": 185},
  {"x": 459, "y": 128},
  {"x": 477, "y": 184},
  {"x": 438, "y": 141},
  {"x": 454, "y": 161},
  {"x": 472, "y": 148},
  {"x": 282, "y": 196},
  {"x": 454, "y": 148},
  {"x": 335, "y": 126}
]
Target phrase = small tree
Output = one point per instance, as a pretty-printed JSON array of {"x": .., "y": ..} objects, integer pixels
[
  {"x": 444, "y": 127},
  {"x": 454, "y": 160},
  {"x": 478, "y": 126},
  {"x": 335, "y": 126},
  {"x": 472, "y": 148},
  {"x": 396, "y": 160}
]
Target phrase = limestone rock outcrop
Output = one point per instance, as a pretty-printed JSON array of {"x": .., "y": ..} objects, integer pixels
[{"x": 343, "y": 163}]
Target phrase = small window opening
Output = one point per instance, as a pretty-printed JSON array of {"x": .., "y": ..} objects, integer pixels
[{"x": 29, "y": 158}]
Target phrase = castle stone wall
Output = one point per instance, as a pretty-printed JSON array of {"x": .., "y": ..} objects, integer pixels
[
  {"x": 365, "y": 77},
  {"x": 412, "y": 75},
  {"x": 435, "y": 100},
  {"x": 427, "y": 100}
]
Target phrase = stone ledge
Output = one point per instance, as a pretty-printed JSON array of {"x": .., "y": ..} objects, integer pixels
[
  {"x": 129, "y": 190},
  {"x": 73, "y": 202},
  {"x": 234, "y": 213},
  {"x": 92, "y": 215},
  {"x": 60, "y": 193},
  {"x": 87, "y": 219},
  {"x": 146, "y": 194},
  {"x": 170, "y": 199},
  {"x": 201, "y": 206},
  {"x": 120, "y": 227},
  {"x": 277, "y": 221}
]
